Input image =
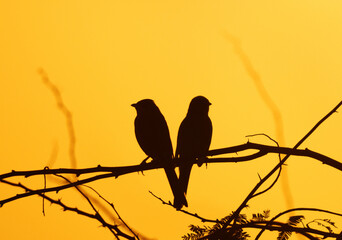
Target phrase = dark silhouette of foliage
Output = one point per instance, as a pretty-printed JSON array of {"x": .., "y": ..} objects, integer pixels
[
  {"x": 220, "y": 232},
  {"x": 293, "y": 221}
]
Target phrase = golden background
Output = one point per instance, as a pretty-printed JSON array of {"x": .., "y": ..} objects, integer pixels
[{"x": 105, "y": 55}]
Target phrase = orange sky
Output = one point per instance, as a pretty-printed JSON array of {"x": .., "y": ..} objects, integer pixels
[{"x": 105, "y": 56}]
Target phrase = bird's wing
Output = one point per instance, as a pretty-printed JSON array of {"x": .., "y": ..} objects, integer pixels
[
  {"x": 153, "y": 136},
  {"x": 206, "y": 130},
  {"x": 184, "y": 137},
  {"x": 144, "y": 135},
  {"x": 194, "y": 137}
]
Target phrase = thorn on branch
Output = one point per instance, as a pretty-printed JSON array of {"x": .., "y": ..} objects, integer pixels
[
  {"x": 144, "y": 161},
  {"x": 259, "y": 177}
]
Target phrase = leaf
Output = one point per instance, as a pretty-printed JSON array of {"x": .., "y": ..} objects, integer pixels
[
  {"x": 284, "y": 235},
  {"x": 293, "y": 221}
]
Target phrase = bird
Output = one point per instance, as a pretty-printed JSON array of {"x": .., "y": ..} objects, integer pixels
[
  {"x": 193, "y": 140},
  {"x": 152, "y": 134}
]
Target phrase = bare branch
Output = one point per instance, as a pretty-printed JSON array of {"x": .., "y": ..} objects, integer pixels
[
  {"x": 295, "y": 210},
  {"x": 100, "y": 218},
  {"x": 279, "y": 172},
  {"x": 118, "y": 171},
  {"x": 73, "y": 209},
  {"x": 278, "y": 226},
  {"x": 184, "y": 211},
  {"x": 117, "y": 213},
  {"x": 250, "y": 195}
]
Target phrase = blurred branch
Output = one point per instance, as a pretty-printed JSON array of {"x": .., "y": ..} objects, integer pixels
[
  {"x": 262, "y": 181},
  {"x": 116, "y": 212},
  {"x": 99, "y": 217},
  {"x": 280, "y": 169},
  {"x": 67, "y": 113},
  {"x": 72, "y": 143},
  {"x": 95, "y": 216},
  {"x": 270, "y": 104}
]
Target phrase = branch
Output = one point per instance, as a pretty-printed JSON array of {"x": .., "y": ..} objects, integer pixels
[
  {"x": 271, "y": 149},
  {"x": 184, "y": 211},
  {"x": 269, "y": 102},
  {"x": 281, "y": 227},
  {"x": 280, "y": 169},
  {"x": 116, "y": 212},
  {"x": 95, "y": 216},
  {"x": 52, "y": 189},
  {"x": 100, "y": 218},
  {"x": 251, "y": 194},
  {"x": 294, "y": 210},
  {"x": 118, "y": 171}
]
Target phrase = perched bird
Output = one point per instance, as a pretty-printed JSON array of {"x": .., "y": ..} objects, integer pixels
[
  {"x": 194, "y": 137},
  {"x": 153, "y": 136}
]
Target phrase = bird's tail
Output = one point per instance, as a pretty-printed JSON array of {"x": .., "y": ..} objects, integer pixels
[
  {"x": 184, "y": 176},
  {"x": 178, "y": 193}
]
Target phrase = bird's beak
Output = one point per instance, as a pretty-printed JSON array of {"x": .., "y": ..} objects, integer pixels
[
  {"x": 134, "y": 105},
  {"x": 209, "y": 103}
]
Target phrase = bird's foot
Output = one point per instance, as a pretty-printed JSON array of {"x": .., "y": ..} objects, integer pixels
[
  {"x": 144, "y": 161},
  {"x": 201, "y": 160}
]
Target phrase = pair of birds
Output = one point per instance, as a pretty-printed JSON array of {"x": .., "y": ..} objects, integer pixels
[{"x": 194, "y": 137}]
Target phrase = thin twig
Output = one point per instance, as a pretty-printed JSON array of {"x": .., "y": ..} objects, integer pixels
[
  {"x": 281, "y": 227},
  {"x": 44, "y": 193},
  {"x": 100, "y": 218},
  {"x": 117, "y": 213},
  {"x": 250, "y": 195},
  {"x": 67, "y": 208},
  {"x": 184, "y": 211},
  {"x": 280, "y": 169},
  {"x": 270, "y": 104},
  {"x": 295, "y": 210}
]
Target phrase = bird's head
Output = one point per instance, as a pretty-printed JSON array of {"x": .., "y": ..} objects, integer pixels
[
  {"x": 145, "y": 106},
  {"x": 199, "y": 105}
]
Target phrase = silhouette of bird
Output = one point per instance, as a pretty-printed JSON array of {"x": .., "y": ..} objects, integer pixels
[
  {"x": 194, "y": 137},
  {"x": 153, "y": 136}
]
